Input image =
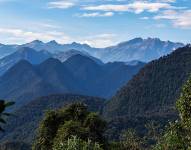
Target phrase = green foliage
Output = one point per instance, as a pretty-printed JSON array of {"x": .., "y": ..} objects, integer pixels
[
  {"x": 47, "y": 131},
  {"x": 74, "y": 120},
  {"x": 95, "y": 126},
  {"x": 154, "y": 132},
  {"x": 75, "y": 143},
  {"x": 184, "y": 104},
  {"x": 154, "y": 90},
  {"x": 173, "y": 139},
  {"x": 178, "y": 134},
  {"x": 71, "y": 128},
  {"x": 3, "y": 106},
  {"x": 130, "y": 140}
]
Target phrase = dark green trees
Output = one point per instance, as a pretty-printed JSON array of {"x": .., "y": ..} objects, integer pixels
[
  {"x": 3, "y": 106},
  {"x": 62, "y": 125},
  {"x": 178, "y": 134}
]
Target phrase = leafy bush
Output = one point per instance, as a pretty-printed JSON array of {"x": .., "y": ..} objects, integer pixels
[{"x": 75, "y": 120}]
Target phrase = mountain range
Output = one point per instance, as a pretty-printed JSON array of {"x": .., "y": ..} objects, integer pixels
[
  {"x": 78, "y": 74},
  {"x": 25, "y": 53},
  {"x": 136, "y": 49},
  {"x": 36, "y": 57}
]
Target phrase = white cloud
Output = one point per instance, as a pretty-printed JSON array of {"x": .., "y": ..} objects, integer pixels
[
  {"x": 136, "y": 7},
  {"x": 20, "y": 36},
  {"x": 179, "y": 18},
  {"x": 101, "y": 40},
  {"x": 97, "y": 14},
  {"x": 62, "y": 4},
  {"x": 16, "y": 35}
]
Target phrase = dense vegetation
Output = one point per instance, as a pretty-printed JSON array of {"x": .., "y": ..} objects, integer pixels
[
  {"x": 22, "y": 126},
  {"x": 178, "y": 134},
  {"x": 74, "y": 120},
  {"x": 3, "y": 107},
  {"x": 75, "y": 127},
  {"x": 154, "y": 90}
]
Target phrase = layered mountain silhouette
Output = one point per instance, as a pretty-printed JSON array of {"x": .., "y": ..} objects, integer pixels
[
  {"x": 136, "y": 49},
  {"x": 149, "y": 95},
  {"x": 55, "y": 47},
  {"x": 36, "y": 57},
  {"x": 25, "y": 53},
  {"x": 63, "y": 56},
  {"x": 79, "y": 74},
  {"x": 154, "y": 90}
]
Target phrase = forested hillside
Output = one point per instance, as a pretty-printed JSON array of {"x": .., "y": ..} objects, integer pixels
[{"x": 154, "y": 90}]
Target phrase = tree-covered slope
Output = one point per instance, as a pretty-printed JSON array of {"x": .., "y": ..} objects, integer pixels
[
  {"x": 154, "y": 90},
  {"x": 22, "y": 126}
]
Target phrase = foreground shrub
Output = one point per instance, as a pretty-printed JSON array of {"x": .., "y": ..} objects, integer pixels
[{"x": 64, "y": 124}]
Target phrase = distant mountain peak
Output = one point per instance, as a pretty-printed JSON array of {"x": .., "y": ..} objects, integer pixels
[
  {"x": 54, "y": 42},
  {"x": 36, "y": 42},
  {"x": 133, "y": 41},
  {"x": 79, "y": 44},
  {"x": 81, "y": 59},
  {"x": 75, "y": 43},
  {"x": 156, "y": 39}
]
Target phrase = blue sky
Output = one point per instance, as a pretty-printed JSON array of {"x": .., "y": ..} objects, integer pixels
[{"x": 99, "y": 23}]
